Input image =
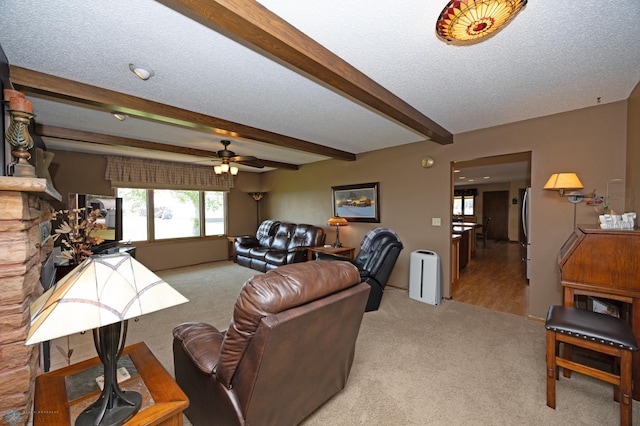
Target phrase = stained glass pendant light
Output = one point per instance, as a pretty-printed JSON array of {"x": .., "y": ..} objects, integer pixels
[{"x": 470, "y": 20}]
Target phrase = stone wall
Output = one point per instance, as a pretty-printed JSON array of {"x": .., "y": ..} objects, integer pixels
[{"x": 21, "y": 258}]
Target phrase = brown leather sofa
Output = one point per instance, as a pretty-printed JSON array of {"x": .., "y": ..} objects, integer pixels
[
  {"x": 288, "y": 349},
  {"x": 276, "y": 244}
]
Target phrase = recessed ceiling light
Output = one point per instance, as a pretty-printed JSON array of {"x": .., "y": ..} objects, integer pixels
[
  {"x": 456, "y": 171},
  {"x": 461, "y": 177},
  {"x": 471, "y": 180},
  {"x": 142, "y": 72},
  {"x": 487, "y": 177},
  {"x": 119, "y": 116}
]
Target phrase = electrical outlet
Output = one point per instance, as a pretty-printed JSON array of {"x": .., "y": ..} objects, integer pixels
[{"x": 435, "y": 221}]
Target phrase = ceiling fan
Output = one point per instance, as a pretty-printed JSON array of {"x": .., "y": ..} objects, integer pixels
[{"x": 227, "y": 156}]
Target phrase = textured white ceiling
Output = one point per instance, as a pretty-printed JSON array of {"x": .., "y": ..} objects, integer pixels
[{"x": 554, "y": 56}]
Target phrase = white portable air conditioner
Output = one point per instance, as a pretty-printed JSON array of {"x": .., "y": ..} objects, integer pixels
[{"x": 424, "y": 277}]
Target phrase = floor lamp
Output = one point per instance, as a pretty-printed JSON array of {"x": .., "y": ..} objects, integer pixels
[{"x": 257, "y": 196}]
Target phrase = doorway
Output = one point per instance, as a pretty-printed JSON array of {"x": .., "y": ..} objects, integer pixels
[
  {"x": 495, "y": 276},
  {"x": 495, "y": 205}
]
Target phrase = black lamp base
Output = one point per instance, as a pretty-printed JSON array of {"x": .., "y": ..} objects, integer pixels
[
  {"x": 114, "y": 406},
  {"x": 337, "y": 244},
  {"x": 118, "y": 414}
]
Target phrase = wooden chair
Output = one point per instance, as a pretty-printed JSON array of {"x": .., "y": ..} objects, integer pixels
[
  {"x": 482, "y": 235},
  {"x": 597, "y": 332}
]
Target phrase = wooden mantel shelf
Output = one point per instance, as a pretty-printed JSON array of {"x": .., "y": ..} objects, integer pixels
[{"x": 27, "y": 184}]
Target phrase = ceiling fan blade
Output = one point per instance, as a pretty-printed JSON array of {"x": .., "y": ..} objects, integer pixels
[
  {"x": 253, "y": 163},
  {"x": 240, "y": 158}
]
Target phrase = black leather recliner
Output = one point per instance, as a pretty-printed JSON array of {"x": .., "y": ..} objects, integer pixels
[
  {"x": 375, "y": 265},
  {"x": 276, "y": 244}
]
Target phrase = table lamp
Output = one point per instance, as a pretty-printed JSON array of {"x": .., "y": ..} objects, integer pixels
[
  {"x": 102, "y": 293},
  {"x": 337, "y": 221}
]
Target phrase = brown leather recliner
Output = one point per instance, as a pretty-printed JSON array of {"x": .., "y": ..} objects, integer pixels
[{"x": 288, "y": 349}]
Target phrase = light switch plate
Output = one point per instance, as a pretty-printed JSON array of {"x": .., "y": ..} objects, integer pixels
[{"x": 435, "y": 221}]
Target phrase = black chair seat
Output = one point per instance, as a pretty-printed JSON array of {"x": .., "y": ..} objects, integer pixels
[{"x": 591, "y": 326}]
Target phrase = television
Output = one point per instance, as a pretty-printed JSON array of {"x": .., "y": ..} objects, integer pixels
[{"x": 110, "y": 209}]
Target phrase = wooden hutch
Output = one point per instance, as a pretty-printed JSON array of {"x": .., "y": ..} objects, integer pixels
[{"x": 601, "y": 263}]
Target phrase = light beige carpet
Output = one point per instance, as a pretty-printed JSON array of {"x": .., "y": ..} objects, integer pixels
[{"x": 415, "y": 364}]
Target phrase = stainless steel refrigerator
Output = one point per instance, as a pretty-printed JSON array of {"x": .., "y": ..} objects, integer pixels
[{"x": 525, "y": 236}]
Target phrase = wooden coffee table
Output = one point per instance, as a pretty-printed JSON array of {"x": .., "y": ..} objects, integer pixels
[{"x": 61, "y": 395}]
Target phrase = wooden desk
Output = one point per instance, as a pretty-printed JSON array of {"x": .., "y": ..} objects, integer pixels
[
  {"x": 604, "y": 263},
  {"x": 60, "y": 395},
  {"x": 336, "y": 251}
]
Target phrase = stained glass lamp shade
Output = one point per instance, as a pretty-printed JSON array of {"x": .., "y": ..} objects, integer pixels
[
  {"x": 470, "y": 20},
  {"x": 337, "y": 221}
]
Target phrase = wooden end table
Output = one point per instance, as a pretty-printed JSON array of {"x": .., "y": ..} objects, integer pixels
[
  {"x": 61, "y": 395},
  {"x": 336, "y": 251},
  {"x": 231, "y": 248}
]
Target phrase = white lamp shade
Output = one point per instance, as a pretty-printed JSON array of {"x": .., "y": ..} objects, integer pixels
[{"x": 102, "y": 290}]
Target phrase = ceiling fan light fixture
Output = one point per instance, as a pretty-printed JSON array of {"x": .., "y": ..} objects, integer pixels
[
  {"x": 143, "y": 72},
  {"x": 233, "y": 170},
  {"x": 224, "y": 167},
  {"x": 471, "y": 20},
  {"x": 217, "y": 170}
]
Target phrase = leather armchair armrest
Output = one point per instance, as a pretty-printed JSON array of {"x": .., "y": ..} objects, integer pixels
[
  {"x": 298, "y": 249},
  {"x": 297, "y": 254},
  {"x": 201, "y": 342},
  {"x": 247, "y": 241}
]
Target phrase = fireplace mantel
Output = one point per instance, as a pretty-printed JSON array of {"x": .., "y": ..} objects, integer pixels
[{"x": 27, "y": 184}]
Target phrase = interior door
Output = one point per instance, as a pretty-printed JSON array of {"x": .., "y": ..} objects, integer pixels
[{"x": 495, "y": 204}]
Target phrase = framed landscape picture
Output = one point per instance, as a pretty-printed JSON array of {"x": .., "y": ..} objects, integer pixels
[{"x": 357, "y": 203}]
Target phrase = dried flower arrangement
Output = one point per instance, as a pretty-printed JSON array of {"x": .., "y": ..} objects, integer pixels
[{"x": 74, "y": 233}]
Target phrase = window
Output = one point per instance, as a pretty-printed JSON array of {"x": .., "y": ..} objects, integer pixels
[
  {"x": 134, "y": 214},
  {"x": 463, "y": 205},
  {"x": 176, "y": 214},
  {"x": 214, "y": 213},
  {"x": 464, "y": 202}
]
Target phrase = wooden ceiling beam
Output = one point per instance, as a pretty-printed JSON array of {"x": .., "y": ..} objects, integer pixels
[
  {"x": 252, "y": 23},
  {"x": 100, "y": 138},
  {"x": 108, "y": 100}
]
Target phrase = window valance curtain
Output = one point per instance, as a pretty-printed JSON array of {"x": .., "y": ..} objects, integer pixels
[{"x": 129, "y": 172}]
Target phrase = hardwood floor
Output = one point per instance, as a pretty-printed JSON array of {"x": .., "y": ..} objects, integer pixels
[{"x": 494, "y": 279}]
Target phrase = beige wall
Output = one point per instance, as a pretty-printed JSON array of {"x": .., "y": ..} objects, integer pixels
[
  {"x": 84, "y": 173},
  {"x": 591, "y": 142},
  {"x": 632, "y": 202}
]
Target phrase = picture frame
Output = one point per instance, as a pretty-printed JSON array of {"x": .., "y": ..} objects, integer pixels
[{"x": 357, "y": 203}]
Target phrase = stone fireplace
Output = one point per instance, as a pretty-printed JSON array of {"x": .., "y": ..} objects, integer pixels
[{"x": 24, "y": 217}]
